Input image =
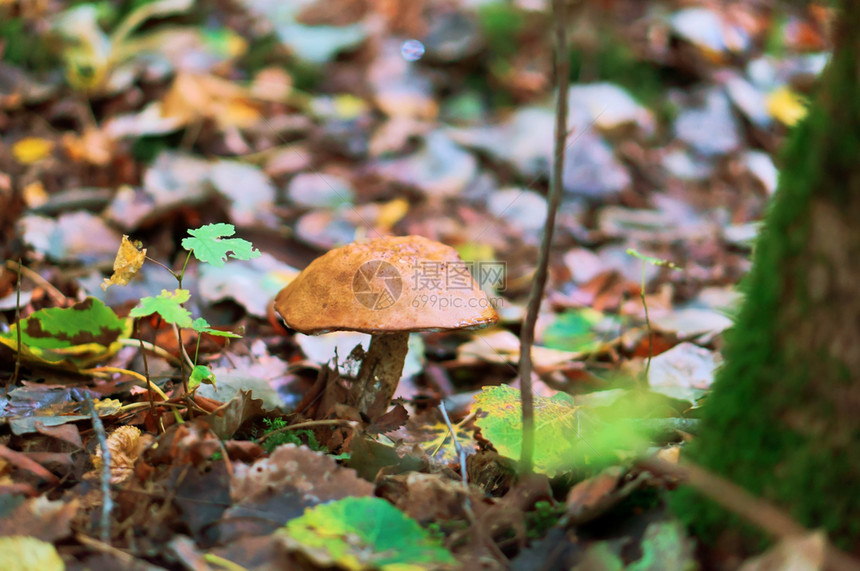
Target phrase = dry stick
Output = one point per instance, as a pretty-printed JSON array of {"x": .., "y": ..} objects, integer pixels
[
  {"x": 737, "y": 500},
  {"x": 107, "y": 502},
  {"x": 461, "y": 452},
  {"x": 145, "y": 370},
  {"x": 309, "y": 424},
  {"x": 527, "y": 334},
  {"x": 56, "y": 295},
  {"x": 17, "y": 370}
]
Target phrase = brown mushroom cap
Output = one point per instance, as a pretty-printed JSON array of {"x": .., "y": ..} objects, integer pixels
[{"x": 386, "y": 285}]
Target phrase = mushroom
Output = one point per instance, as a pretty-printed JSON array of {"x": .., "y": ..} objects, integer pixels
[{"x": 388, "y": 287}]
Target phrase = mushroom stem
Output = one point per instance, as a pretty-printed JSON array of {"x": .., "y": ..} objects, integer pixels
[{"x": 380, "y": 372}]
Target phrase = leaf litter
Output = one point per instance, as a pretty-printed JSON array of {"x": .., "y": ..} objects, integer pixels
[{"x": 258, "y": 136}]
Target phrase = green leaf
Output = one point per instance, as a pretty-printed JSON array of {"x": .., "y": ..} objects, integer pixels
[
  {"x": 665, "y": 545},
  {"x": 167, "y": 305},
  {"x": 200, "y": 325},
  {"x": 71, "y": 338},
  {"x": 209, "y": 245},
  {"x": 652, "y": 260},
  {"x": 200, "y": 374},
  {"x": 566, "y": 436},
  {"x": 364, "y": 533},
  {"x": 576, "y": 331}
]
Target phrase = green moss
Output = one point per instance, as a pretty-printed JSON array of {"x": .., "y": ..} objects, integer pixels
[
  {"x": 616, "y": 62},
  {"x": 767, "y": 424},
  {"x": 146, "y": 148},
  {"x": 24, "y": 48},
  {"x": 501, "y": 23}
]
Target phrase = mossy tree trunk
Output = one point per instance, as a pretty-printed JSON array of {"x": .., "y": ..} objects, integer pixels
[{"x": 783, "y": 419}]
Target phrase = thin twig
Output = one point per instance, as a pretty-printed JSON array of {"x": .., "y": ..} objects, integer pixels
[
  {"x": 145, "y": 369},
  {"x": 127, "y": 560},
  {"x": 17, "y": 370},
  {"x": 335, "y": 421},
  {"x": 755, "y": 510},
  {"x": 730, "y": 496},
  {"x": 152, "y": 348},
  {"x": 188, "y": 360},
  {"x": 461, "y": 452},
  {"x": 142, "y": 381},
  {"x": 157, "y": 263},
  {"x": 56, "y": 295},
  {"x": 107, "y": 502},
  {"x": 527, "y": 334}
]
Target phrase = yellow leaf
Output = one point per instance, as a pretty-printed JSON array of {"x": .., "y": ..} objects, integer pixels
[
  {"x": 391, "y": 212},
  {"x": 35, "y": 194},
  {"x": 93, "y": 146},
  {"x": 196, "y": 97},
  {"x": 31, "y": 150},
  {"x": 348, "y": 107},
  {"x": 25, "y": 553},
  {"x": 129, "y": 260},
  {"x": 786, "y": 106}
]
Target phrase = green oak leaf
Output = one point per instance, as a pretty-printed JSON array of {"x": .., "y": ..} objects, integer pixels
[{"x": 208, "y": 244}]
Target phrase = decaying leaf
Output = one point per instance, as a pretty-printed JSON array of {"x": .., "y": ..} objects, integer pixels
[
  {"x": 40, "y": 518},
  {"x": 194, "y": 97},
  {"x": 125, "y": 446},
  {"x": 24, "y": 553},
  {"x": 361, "y": 533},
  {"x": 293, "y": 478},
  {"x": 72, "y": 338},
  {"x": 129, "y": 260}
]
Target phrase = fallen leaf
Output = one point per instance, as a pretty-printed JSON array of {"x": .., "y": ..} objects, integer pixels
[
  {"x": 363, "y": 533},
  {"x": 73, "y": 338},
  {"x": 29, "y": 554},
  {"x": 129, "y": 260},
  {"x": 31, "y": 150}
]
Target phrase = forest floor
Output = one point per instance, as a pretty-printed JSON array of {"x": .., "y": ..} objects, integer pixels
[{"x": 238, "y": 141}]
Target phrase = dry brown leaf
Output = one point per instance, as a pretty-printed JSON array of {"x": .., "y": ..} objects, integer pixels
[
  {"x": 93, "y": 146},
  {"x": 125, "y": 447},
  {"x": 195, "y": 97},
  {"x": 129, "y": 260}
]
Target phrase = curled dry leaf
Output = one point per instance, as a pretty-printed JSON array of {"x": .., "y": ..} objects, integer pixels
[
  {"x": 129, "y": 260},
  {"x": 125, "y": 445},
  {"x": 40, "y": 518}
]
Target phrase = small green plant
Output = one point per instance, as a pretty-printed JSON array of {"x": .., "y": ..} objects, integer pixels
[
  {"x": 656, "y": 262},
  {"x": 545, "y": 515},
  {"x": 209, "y": 244}
]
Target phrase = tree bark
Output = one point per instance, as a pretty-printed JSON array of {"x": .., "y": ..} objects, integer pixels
[{"x": 783, "y": 419}]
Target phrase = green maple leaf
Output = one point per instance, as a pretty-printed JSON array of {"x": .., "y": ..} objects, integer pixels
[
  {"x": 565, "y": 437},
  {"x": 200, "y": 325},
  {"x": 200, "y": 374},
  {"x": 208, "y": 244},
  {"x": 168, "y": 305},
  {"x": 364, "y": 533}
]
